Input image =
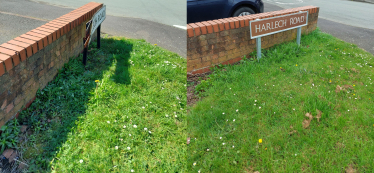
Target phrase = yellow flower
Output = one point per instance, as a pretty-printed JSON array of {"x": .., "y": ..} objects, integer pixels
[
  {"x": 354, "y": 85},
  {"x": 97, "y": 81},
  {"x": 266, "y": 148},
  {"x": 280, "y": 67},
  {"x": 354, "y": 94},
  {"x": 260, "y": 141},
  {"x": 335, "y": 49},
  {"x": 296, "y": 64},
  {"x": 330, "y": 80},
  {"x": 155, "y": 44}
]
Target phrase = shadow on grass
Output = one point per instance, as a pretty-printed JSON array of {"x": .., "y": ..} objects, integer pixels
[{"x": 54, "y": 114}]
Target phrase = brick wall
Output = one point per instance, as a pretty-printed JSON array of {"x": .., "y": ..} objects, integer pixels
[
  {"x": 30, "y": 61},
  {"x": 226, "y": 41}
]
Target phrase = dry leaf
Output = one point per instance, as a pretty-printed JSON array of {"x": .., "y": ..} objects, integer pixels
[
  {"x": 309, "y": 115},
  {"x": 319, "y": 113},
  {"x": 350, "y": 169},
  {"x": 354, "y": 70},
  {"x": 348, "y": 86},
  {"x": 188, "y": 140},
  {"x": 306, "y": 123},
  {"x": 338, "y": 89}
]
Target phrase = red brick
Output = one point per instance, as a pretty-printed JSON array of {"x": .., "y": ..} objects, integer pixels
[
  {"x": 13, "y": 54},
  {"x": 7, "y": 61},
  {"x": 21, "y": 50},
  {"x": 47, "y": 34},
  {"x": 44, "y": 38},
  {"x": 221, "y": 26},
  {"x": 27, "y": 46},
  {"x": 2, "y": 68},
  {"x": 214, "y": 25},
  {"x": 38, "y": 40},
  {"x": 196, "y": 29},
  {"x": 236, "y": 20},
  {"x": 32, "y": 42},
  {"x": 202, "y": 27},
  {"x": 58, "y": 29},
  {"x": 209, "y": 27},
  {"x": 190, "y": 31},
  {"x": 52, "y": 30},
  {"x": 226, "y": 23}
]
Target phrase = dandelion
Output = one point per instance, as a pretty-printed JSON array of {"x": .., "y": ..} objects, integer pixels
[
  {"x": 296, "y": 154},
  {"x": 124, "y": 126},
  {"x": 166, "y": 115},
  {"x": 121, "y": 139},
  {"x": 354, "y": 94},
  {"x": 260, "y": 141},
  {"x": 223, "y": 143},
  {"x": 155, "y": 44},
  {"x": 198, "y": 171},
  {"x": 175, "y": 116},
  {"x": 149, "y": 132},
  {"x": 266, "y": 148},
  {"x": 135, "y": 126},
  {"x": 354, "y": 85},
  {"x": 255, "y": 100},
  {"x": 230, "y": 88},
  {"x": 254, "y": 104},
  {"x": 296, "y": 64},
  {"x": 208, "y": 148},
  {"x": 145, "y": 129},
  {"x": 129, "y": 134},
  {"x": 223, "y": 113},
  {"x": 259, "y": 107},
  {"x": 220, "y": 137},
  {"x": 116, "y": 147},
  {"x": 108, "y": 122},
  {"x": 330, "y": 80},
  {"x": 97, "y": 81},
  {"x": 81, "y": 161},
  {"x": 194, "y": 163},
  {"x": 348, "y": 110},
  {"x": 143, "y": 107},
  {"x": 233, "y": 146},
  {"x": 115, "y": 121},
  {"x": 293, "y": 108},
  {"x": 132, "y": 170},
  {"x": 237, "y": 110},
  {"x": 233, "y": 120},
  {"x": 128, "y": 148}
]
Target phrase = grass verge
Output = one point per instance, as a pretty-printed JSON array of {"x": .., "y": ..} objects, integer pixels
[
  {"x": 123, "y": 112},
  {"x": 299, "y": 109}
]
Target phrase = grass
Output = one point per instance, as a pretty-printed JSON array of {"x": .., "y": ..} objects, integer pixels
[
  {"x": 253, "y": 115},
  {"x": 125, "y": 111}
]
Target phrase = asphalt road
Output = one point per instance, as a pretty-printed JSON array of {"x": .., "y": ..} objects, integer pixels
[
  {"x": 168, "y": 12},
  {"x": 348, "y": 30},
  {"x": 20, "y": 16}
]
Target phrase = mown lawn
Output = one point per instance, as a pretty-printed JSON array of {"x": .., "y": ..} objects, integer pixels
[
  {"x": 254, "y": 116},
  {"x": 124, "y": 112}
]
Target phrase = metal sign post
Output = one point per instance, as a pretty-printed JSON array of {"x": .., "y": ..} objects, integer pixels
[
  {"x": 263, "y": 27},
  {"x": 91, "y": 26},
  {"x": 258, "y": 43}
]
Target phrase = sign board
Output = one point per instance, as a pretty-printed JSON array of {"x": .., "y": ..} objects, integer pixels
[
  {"x": 268, "y": 26},
  {"x": 97, "y": 19}
]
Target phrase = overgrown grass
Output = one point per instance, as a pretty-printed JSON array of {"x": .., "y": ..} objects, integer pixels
[
  {"x": 269, "y": 99},
  {"x": 125, "y": 111}
]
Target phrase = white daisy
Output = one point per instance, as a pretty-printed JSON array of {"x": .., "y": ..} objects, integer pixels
[{"x": 81, "y": 161}]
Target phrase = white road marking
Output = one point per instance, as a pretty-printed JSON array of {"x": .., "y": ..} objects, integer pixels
[{"x": 181, "y": 27}]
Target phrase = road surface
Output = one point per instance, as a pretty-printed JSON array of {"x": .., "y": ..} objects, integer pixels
[
  {"x": 129, "y": 19},
  {"x": 350, "y": 21}
]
